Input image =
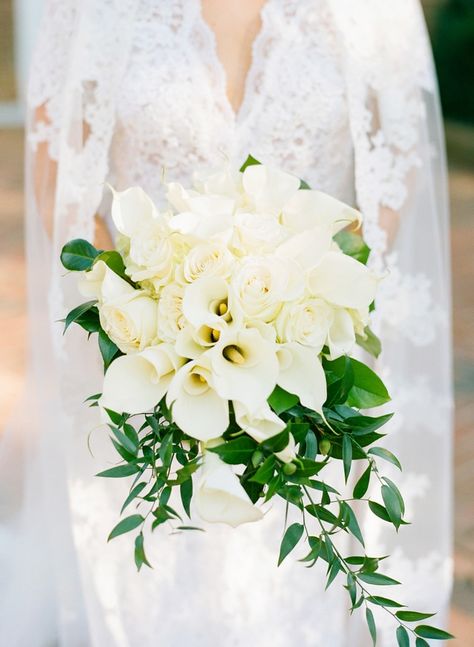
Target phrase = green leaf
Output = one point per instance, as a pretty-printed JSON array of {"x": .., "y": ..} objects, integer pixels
[
  {"x": 420, "y": 642},
  {"x": 186, "y": 492},
  {"x": 371, "y": 624},
  {"x": 190, "y": 528},
  {"x": 322, "y": 513},
  {"x": 250, "y": 161},
  {"x": 134, "y": 493},
  {"x": 368, "y": 390},
  {"x": 113, "y": 260},
  {"x": 339, "y": 388},
  {"x": 315, "y": 545},
  {"x": 425, "y": 631},
  {"x": 166, "y": 448},
  {"x": 125, "y": 441},
  {"x": 379, "y": 511},
  {"x": 362, "y": 484},
  {"x": 108, "y": 349},
  {"x": 383, "y": 602},
  {"x": 347, "y": 455},
  {"x": 403, "y": 637},
  {"x": 265, "y": 471},
  {"x": 334, "y": 569},
  {"x": 370, "y": 342},
  {"x": 353, "y": 245},
  {"x": 126, "y": 525},
  {"x": 413, "y": 616},
  {"x": 377, "y": 579},
  {"x": 140, "y": 557},
  {"x": 381, "y": 452},
  {"x": 278, "y": 442},
  {"x": 396, "y": 491},
  {"x": 291, "y": 537},
  {"x": 120, "y": 471},
  {"x": 236, "y": 451},
  {"x": 353, "y": 524},
  {"x": 78, "y": 255},
  {"x": 280, "y": 400},
  {"x": 392, "y": 504},
  {"x": 304, "y": 186},
  {"x": 77, "y": 314}
]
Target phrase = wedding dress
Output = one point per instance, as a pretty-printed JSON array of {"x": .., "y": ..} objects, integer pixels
[{"x": 341, "y": 93}]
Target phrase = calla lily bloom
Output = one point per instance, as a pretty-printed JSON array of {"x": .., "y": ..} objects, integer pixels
[{"x": 219, "y": 496}]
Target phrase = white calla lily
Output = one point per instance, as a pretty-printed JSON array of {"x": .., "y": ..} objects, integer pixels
[
  {"x": 307, "y": 208},
  {"x": 343, "y": 281},
  {"x": 209, "y": 302},
  {"x": 261, "y": 425},
  {"x": 267, "y": 189},
  {"x": 341, "y": 334},
  {"x": 302, "y": 374},
  {"x": 245, "y": 367},
  {"x": 219, "y": 495},
  {"x": 90, "y": 283},
  {"x": 195, "y": 405},
  {"x": 136, "y": 383},
  {"x": 308, "y": 247},
  {"x": 132, "y": 210},
  {"x": 288, "y": 454}
]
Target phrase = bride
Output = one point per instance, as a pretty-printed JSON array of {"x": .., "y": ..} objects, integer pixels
[{"x": 339, "y": 92}]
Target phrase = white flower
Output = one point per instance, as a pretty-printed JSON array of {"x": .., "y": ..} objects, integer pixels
[
  {"x": 132, "y": 210},
  {"x": 128, "y": 316},
  {"x": 256, "y": 233},
  {"x": 341, "y": 335},
  {"x": 171, "y": 319},
  {"x": 343, "y": 281},
  {"x": 210, "y": 302},
  {"x": 207, "y": 259},
  {"x": 309, "y": 208},
  {"x": 288, "y": 454},
  {"x": 261, "y": 425},
  {"x": 196, "y": 407},
  {"x": 219, "y": 495},
  {"x": 301, "y": 373},
  {"x": 306, "y": 321},
  {"x": 90, "y": 282},
  {"x": 306, "y": 248},
  {"x": 224, "y": 181},
  {"x": 245, "y": 367},
  {"x": 268, "y": 189},
  {"x": 136, "y": 383},
  {"x": 263, "y": 283},
  {"x": 199, "y": 216}
]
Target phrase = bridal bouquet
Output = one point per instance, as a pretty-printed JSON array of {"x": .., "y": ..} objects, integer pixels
[{"x": 226, "y": 323}]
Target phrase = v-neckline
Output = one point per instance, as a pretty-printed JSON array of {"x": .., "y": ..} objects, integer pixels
[{"x": 240, "y": 114}]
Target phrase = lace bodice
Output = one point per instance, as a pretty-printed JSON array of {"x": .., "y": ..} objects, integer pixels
[{"x": 173, "y": 111}]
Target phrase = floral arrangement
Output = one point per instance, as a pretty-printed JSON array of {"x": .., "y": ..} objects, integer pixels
[{"x": 227, "y": 323}]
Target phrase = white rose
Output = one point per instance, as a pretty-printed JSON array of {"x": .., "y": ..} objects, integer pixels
[
  {"x": 170, "y": 312},
  {"x": 128, "y": 316},
  {"x": 207, "y": 259},
  {"x": 262, "y": 284},
  {"x": 220, "y": 496},
  {"x": 225, "y": 181},
  {"x": 256, "y": 233},
  {"x": 306, "y": 321}
]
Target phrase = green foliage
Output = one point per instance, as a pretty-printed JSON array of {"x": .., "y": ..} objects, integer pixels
[
  {"x": 78, "y": 255},
  {"x": 353, "y": 245}
]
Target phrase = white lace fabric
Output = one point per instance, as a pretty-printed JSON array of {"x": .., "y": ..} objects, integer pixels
[{"x": 335, "y": 96}]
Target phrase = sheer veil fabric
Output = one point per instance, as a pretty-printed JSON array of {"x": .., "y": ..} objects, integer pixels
[{"x": 60, "y": 582}]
